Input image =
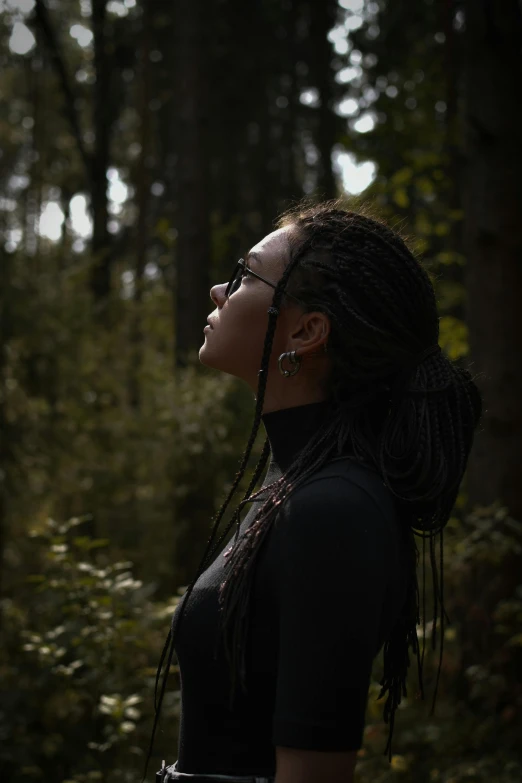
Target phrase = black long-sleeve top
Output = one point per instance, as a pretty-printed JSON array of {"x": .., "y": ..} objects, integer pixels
[{"x": 329, "y": 585}]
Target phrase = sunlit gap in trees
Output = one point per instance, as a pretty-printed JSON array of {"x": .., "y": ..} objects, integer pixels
[
  {"x": 80, "y": 223},
  {"x": 22, "y": 40},
  {"x": 354, "y": 177}
]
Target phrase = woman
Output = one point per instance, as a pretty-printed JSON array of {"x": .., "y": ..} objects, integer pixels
[{"x": 333, "y": 324}]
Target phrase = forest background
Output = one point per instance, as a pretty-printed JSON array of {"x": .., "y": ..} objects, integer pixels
[{"x": 144, "y": 146}]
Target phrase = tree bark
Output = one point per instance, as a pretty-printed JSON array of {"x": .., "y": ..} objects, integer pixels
[
  {"x": 44, "y": 24},
  {"x": 192, "y": 282},
  {"x": 95, "y": 164},
  {"x": 323, "y": 19},
  {"x": 101, "y": 272},
  {"x": 5, "y": 336},
  {"x": 143, "y": 199},
  {"x": 493, "y": 239},
  {"x": 452, "y": 70}
]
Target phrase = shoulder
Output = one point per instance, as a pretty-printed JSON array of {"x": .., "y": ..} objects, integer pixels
[
  {"x": 342, "y": 515},
  {"x": 339, "y": 488},
  {"x": 341, "y": 527}
]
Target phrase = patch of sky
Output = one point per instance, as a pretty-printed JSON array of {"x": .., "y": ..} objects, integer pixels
[
  {"x": 337, "y": 37},
  {"x": 347, "y": 107},
  {"x": 157, "y": 189},
  {"x": 364, "y": 123},
  {"x": 346, "y": 75},
  {"x": 23, "y": 7},
  {"x": 81, "y": 221},
  {"x": 22, "y": 40},
  {"x": 52, "y": 216},
  {"x": 127, "y": 280},
  {"x": 13, "y": 238},
  {"x": 7, "y": 205},
  {"x": 151, "y": 271},
  {"x": 310, "y": 97},
  {"x": 51, "y": 221},
  {"x": 117, "y": 8},
  {"x": 355, "y": 177},
  {"x": 118, "y": 190},
  {"x": 353, "y": 23},
  {"x": 85, "y": 8},
  {"x": 18, "y": 182},
  {"x": 355, "y": 6},
  {"x": 82, "y": 35}
]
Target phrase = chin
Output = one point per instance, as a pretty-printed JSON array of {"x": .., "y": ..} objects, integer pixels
[
  {"x": 206, "y": 357},
  {"x": 202, "y": 353},
  {"x": 208, "y": 360}
]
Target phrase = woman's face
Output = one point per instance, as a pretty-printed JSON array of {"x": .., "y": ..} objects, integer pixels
[{"x": 235, "y": 343}]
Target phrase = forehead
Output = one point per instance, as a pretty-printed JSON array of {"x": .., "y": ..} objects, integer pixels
[{"x": 270, "y": 252}]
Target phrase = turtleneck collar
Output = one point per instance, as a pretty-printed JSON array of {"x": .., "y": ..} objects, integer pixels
[{"x": 289, "y": 430}]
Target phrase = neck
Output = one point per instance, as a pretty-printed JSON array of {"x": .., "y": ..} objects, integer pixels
[
  {"x": 289, "y": 429},
  {"x": 300, "y": 398}
]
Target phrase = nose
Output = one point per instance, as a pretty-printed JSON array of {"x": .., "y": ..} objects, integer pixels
[{"x": 217, "y": 294}]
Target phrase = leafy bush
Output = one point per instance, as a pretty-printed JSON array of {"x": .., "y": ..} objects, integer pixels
[
  {"x": 473, "y": 736},
  {"x": 81, "y": 643}
]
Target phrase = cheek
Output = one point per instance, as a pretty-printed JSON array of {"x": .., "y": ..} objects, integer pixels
[
  {"x": 280, "y": 336},
  {"x": 236, "y": 344},
  {"x": 251, "y": 332}
]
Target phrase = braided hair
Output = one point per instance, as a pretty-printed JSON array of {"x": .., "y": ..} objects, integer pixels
[{"x": 410, "y": 417}]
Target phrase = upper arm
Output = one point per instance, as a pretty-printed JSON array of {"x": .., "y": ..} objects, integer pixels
[
  {"x": 334, "y": 563},
  {"x": 311, "y": 766}
]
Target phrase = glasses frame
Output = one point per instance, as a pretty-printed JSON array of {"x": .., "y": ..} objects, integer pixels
[{"x": 243, "y": 264}]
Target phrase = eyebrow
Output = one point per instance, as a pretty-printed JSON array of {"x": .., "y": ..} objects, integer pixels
[{"x": 254, "y": 256}]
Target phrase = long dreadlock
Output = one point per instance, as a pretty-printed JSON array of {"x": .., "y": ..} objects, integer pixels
[{"x": 414, "y": 423}]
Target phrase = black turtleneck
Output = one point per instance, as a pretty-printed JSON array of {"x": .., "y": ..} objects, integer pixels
[{"x": 328, "y": 587}]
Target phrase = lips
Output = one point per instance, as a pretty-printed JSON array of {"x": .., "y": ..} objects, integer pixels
[{"x": 209, "y": 323}]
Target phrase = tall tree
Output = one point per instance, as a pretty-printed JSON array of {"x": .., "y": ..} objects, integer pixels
[
  {"x": 493, "y": 237},
  {"x": 95, "y": 163},
  {"x": 191, "y": 27},
  {"x": 5, "y": 329},
  {"x": 102, "y": 123},
  {"x": 323, "y": 18},
  {"x": 143, "y": 199}
]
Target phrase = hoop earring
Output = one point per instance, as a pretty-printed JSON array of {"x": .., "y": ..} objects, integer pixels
[{"x": 293, "y": 359}]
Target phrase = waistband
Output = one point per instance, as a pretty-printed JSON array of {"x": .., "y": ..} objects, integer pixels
[{"x": 170, "y": 775}]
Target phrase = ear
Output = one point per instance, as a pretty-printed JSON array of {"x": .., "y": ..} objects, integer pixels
[{"x": 310, "y": 333}]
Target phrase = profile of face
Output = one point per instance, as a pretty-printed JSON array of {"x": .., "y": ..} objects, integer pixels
[{"x": 234, "y": 344}]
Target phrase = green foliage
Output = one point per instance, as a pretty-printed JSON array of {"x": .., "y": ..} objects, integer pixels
[
  {"x": 83, "y": 446},
  {"x": 81, "y": 642},
  {"x": 473, "y": 734},
  {"x": 83, "y": 628},
  {"x": 99, "y": 427}
]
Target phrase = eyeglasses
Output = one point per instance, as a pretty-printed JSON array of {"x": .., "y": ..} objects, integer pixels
[{"x": 241, "y": 269}]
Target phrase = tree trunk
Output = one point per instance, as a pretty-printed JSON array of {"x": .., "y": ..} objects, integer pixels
[
  {"x": 101, "y": 273},
  {"x": 493, "y": 237},
  {"x": 5, "y": 335},
  {"x": 143, "y": 199},
  {"x": 43, "y": 23},
  {"x": 193, "y": 211},
  {"x": 323, "y": 19},
  {"x": 452, "y": 68}
]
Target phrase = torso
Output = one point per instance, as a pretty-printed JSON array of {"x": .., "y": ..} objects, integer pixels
[{"x": 218, "y": 738}]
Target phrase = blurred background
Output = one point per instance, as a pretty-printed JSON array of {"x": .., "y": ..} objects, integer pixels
[{"x": 144, "y": 146}]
